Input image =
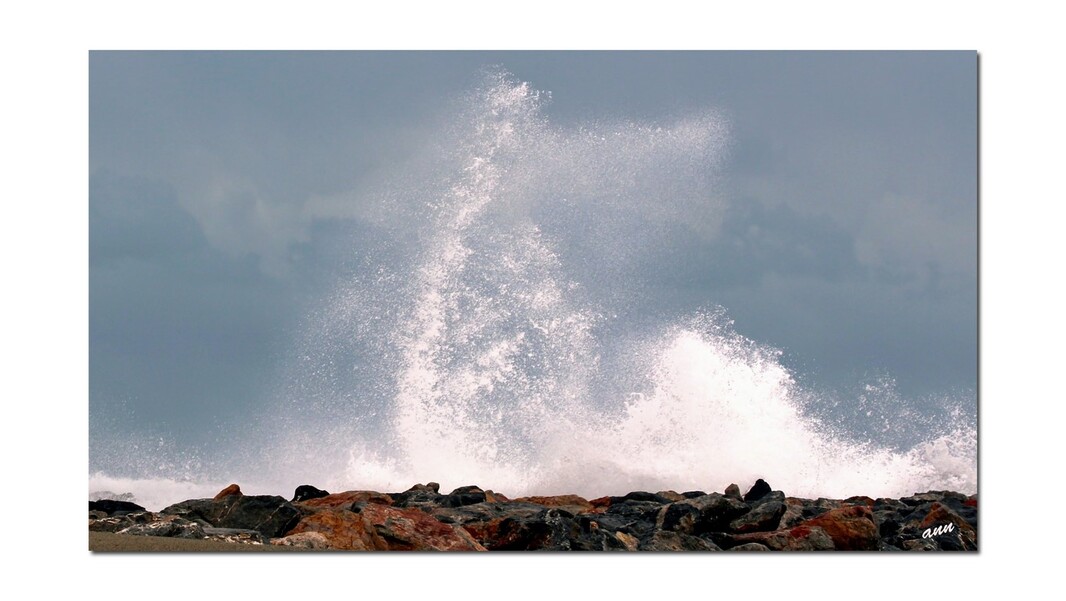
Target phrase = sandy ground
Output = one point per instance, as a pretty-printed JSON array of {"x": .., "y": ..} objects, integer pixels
[{"x": 106, "y": 542}]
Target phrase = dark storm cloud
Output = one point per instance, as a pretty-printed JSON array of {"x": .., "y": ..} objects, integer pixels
[{"x": 224, "y": 188}]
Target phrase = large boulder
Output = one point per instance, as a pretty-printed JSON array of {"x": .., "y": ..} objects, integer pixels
[
  {"x": 570, "y": 503},
  {"x": 709, "y": 513},
  {"x": 758, "y": 490},
  {"x": 344, "y": 500},
  {"x": 852, "y": 528},
  {"x": 415, "y": 530},
  {"x": 271, "y": 516},
  {"x": 306, "y": 492}
]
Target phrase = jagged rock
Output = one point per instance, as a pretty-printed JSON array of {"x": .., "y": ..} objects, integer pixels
[
  {"x": 692, "y": 494},
  {"x": 759, "y": 490},
  {"x": 765, "y": 516},
  {"x": 231, "y": 490},
  {"x": 464, "y": 495},
  {"x": 733, "y": 491},
  {"x": 339, "y": 530},
  {"x": 708, "y": 513},
  {"x": 852, "y": 528},
  {"x": 419, "y": 495},
  {"x": 272, "y": 516},
  {"x": 171, "y": 526},
  {"x": 113, "y": 507},
  {"x": 344, "y": 500},
  {"x": 859, "y": 500},
  {"x": 961, "y": 537},
  {"x": 571, "y": 503},
  {"x": 306, "y": 492},
  {"x": 416, "y": 530},
  {"x": 548, "y": 529},
  {"x": 666, "y": 540}
]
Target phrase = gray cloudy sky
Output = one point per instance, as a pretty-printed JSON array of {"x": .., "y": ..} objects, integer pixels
[{"x": 225, "y": 189}]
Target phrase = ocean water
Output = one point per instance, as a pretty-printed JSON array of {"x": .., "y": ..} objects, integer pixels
[{"x": 501, "y": 336}]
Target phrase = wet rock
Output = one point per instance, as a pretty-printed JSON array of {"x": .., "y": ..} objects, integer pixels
[
  {"x": 765, "y": 516},
  {"x": 114, "y": 507},
  {"x": 851, "y": 528},
  {"x": 415, "y": 530},
  {"x": 708, "y": 513},
  {"x": 306, "y": 492},
  {"x": 733, "y": 491},
  {"x": 231, "y": 490},
  {"x": 272, "y": 516},
  {"x": 548, "y": 529},
  {"x": 759, "y": 490}
]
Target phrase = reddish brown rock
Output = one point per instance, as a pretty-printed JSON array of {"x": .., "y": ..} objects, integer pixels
[
  {"x": 859, "y": 500},
  {"x": 572, "y": 503},
  {"x": 940, "y": 515},
  {"x": 800, "y": 538},
  {"x": 340, "y": 530},
  {"x": 230, "y": 491},
  {"x": 415, "y": 530},
  {"x": 852, "y": 528},
  {"x": 346, "y": 499}
]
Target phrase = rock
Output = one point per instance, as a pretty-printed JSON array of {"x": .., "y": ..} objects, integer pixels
[
  {"x": 851, "y": 528},
  {"x": 419, "y": 495},
  {"x": 234, "y": 535},
  {"x": 416, "y": 530},
  {"x": 859, "y": 500},
  {"x": 708, "y": 513},
  {"x": 692, "y": 494},
  {"x": 800, "y": 538},
  {"x": 765, "y": 516},
  {"x": 337, "y": 530},
  {"x": 630, "y": 542},
  {"x": 750, "y": 547},
  {"x": 113, "y": 507},
  {"x": 96, "y": 515},
  {"x": 171, "y": 526},
  {"x": 665, "y": 540},
  {"x": 548, "y": 529},
  {"x": 304, "y": 540},
  {"x": 757, "y": 491},
  {"x": 640, "y": 496},
  {"x": 960, "y": 537},
  {"x": 671, "y": 495},
  {"x": 306, "y": 492},
  {"x": 231, "y": 490},
  {"x": 344, "y": 500},
  {"x": 464, "y": 495},
  {"x": 272, "y": 516},
  {"x": 733, "y": 491},
  {"x": 571, "y": 503}
]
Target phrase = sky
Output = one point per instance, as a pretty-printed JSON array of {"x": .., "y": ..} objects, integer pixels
[{"x": 228, "y": 190}]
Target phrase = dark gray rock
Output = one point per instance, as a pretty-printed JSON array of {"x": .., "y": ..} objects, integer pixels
[
  {"x": 759, "y": 490},
  {"x": 709, "y": 513},
  {"x": 306, "y": 492},
  {"x": 269, "y": 515},
  {"x": 113, "y": 507}
]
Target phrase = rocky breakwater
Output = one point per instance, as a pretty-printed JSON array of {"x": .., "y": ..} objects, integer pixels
[{"x": 471, "y": 519}]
